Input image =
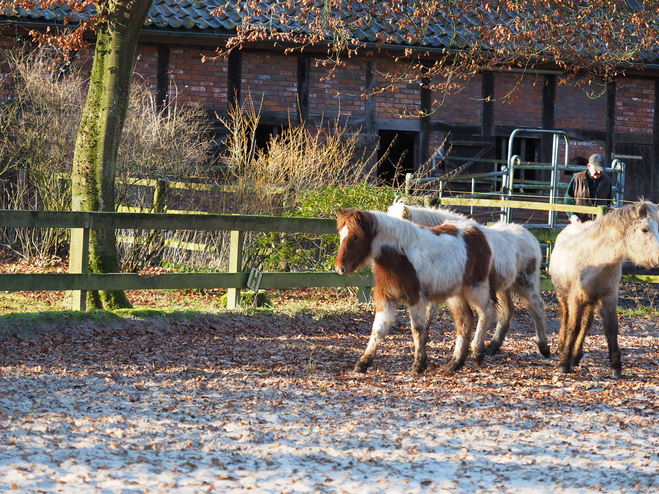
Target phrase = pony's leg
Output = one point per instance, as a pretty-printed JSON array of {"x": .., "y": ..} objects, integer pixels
[
  {"x": 564, "y": 314},
  {"x": 609, "y": 315},
  {"x": 571, "y": 328},
  {"x": 384, "y": 318},
  {"x": 420, "y": 335},
  {"x": 586, "y": 324},
  {"x": 485, "y": 310},
  {"x": 464, "y": 325},
  {"x": 505, "y": 312},
  {"x": 532, "y": 299},
  {"x": 431, "y": 312}
]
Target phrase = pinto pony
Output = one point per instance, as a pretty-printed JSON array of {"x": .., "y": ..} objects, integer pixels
[
  {"x": 517, "y": 258},
  {"x": 420, "y": 266},
  {"x": 585, "y": 268}
]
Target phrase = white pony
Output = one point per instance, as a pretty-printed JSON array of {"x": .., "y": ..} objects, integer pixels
[
  {"x": 585, "y": 267},
  {"x": 517, "y": 258},
  {"x": 422, "y": 267}
]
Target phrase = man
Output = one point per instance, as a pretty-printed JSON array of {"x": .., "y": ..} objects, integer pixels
[{"x": 591, "y": 187}]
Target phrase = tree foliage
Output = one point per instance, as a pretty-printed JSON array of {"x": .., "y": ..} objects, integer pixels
[
  {"x": 447, "y": 41},
  {"x": 441, "y": 42}
]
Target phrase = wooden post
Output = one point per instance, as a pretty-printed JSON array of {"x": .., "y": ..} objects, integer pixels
[
  {"x": 235, "y": 266},
  {"x": 79, "y": 263},
  {"x": 159, "y": 192},
  {"x": 364, "y": 295}
]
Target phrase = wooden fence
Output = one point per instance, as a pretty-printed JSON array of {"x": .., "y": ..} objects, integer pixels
[{"x": 79, "y": 280}]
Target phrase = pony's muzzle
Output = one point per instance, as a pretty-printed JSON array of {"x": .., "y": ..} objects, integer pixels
[{"x": 340, "y": 269}]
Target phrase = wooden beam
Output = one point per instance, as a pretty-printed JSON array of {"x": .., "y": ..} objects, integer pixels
[
  {"x": 611, "y": 91},
  {"x": 234, "y": 79},
  {"x": 164, "y": 221},
  {"x": 487, "y": 93},
  {"x": 79, "y": 264},
  {"x": 548, "y": 117},
  {"x": 303, "y": 87},
  {"x": 235, "y": 266},
  {"x": 162, "y": 77},
  {"x": 424, "y": 121},
  {"x": 175, "y": 281}
]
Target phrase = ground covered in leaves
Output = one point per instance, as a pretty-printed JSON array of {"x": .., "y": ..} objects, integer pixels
[{"x": 266, "y": 401}]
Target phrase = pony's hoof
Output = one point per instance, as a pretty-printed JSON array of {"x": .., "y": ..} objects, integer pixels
[
  {"x": 491, "y": 350},
  {"x": 360, "y": 368},
  {"x": 454, "y": 366},
  {"x": 478, "y": 359},
  {"x": 563, "y": 369},
  {"x": 545, "y": 351},
  {"x": 419, "y": 368},
  {"x": 617, "y": 373}
]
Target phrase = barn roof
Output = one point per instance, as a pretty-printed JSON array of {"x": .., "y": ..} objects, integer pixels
[{"x": 196, "y": 17}]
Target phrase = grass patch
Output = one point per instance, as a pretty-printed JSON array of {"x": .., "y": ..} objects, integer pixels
[
  {"x": 639, "y": 312},
  {"x": 53, "y": 320}
]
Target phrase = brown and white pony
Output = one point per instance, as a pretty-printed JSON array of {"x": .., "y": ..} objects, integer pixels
[
  {"x": 421, "y": 267},
  {"x": 517, "y": 258},
  {"x": 585, "y": 268}
]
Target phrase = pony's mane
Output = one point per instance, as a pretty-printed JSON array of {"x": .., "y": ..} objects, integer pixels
[
  {"x": 626, "y": 215},
  {"x": 370, "y": 223},
  {"x": 425, "y": 216}
]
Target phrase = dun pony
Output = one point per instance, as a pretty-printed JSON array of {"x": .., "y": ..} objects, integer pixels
[
  {"x": 517, "y": 258},
  {"x": 420, "y": 266},
  {"x": 585, "y": 268}
]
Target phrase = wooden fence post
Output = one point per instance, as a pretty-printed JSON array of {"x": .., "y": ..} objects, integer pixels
[
  {"x": 159, "y": 192},
  {"x": 79, "y": 263},
  {"x": 235, "y": 266},
  {"x": 364, "y": 295}
]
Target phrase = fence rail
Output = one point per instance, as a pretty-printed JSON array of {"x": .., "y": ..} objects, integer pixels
[{"x": 80, "y": 281}]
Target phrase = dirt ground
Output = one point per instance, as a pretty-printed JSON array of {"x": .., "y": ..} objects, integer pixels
[{"x": 268, "y": 403}]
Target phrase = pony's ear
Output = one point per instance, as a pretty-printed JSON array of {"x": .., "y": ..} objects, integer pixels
[
  {"x": 405, "y": 213},
  {"x": 344, "y": 211},
  {"x": 642, "y": 209}
]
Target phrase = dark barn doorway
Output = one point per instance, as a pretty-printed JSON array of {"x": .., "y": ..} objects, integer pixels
[{"x": 399, "y": 149}]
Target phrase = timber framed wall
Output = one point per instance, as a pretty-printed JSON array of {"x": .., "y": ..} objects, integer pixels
[{"x": 615, "y": 120}]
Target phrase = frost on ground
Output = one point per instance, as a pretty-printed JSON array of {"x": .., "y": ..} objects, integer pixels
[{"x": 268, "y": 403}]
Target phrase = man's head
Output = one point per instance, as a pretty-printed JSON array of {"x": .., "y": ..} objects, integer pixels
[{"x": 596, "y": 165}]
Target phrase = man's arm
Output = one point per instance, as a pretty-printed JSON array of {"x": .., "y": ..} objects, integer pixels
[{"x": 569, "y": 199}]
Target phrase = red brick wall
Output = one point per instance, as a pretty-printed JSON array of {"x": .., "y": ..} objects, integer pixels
[
  {"x": 192, "y": 80},
  {"x": 272, "y": 77},
  {"x": 338, "y": 92},
  {"x": 635, "y": 105},
  {"x": 580, "y": 107},
  {"x": 518, "y": 101},
  {"x": 398, "y": 97},
  {"x": 146, "y": 66},
  {"x": 460, "y": 107}
]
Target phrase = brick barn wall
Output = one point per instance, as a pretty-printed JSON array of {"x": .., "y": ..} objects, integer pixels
[
  {"x": 146, "y": 66},
  {"x": 193, "y": 81},
  {"x": 272, "y": 77},
  {"x": 464, "y": 106},
  {"x": 339, "y": 92},
  {"x": 635, "y": 105},
  {"x": 399, "y": 97},
  {"x": 518, "y": 101},
  {"x": 580, "y": 107}
]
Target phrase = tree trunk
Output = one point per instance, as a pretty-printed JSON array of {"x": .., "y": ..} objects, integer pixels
[{"x": 99, "y": 135}]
